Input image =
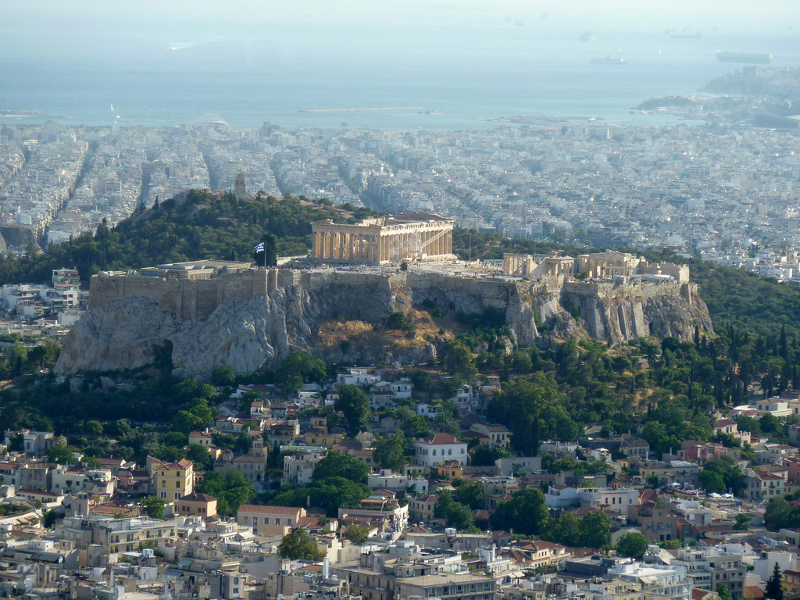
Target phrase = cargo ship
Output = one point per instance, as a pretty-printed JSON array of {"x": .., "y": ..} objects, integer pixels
[
  {"x": 609, "y": 60},
  {"x": 761, "y": 58}
]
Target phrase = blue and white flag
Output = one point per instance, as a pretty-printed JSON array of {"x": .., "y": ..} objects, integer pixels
[{"x": 260, "y": 247}]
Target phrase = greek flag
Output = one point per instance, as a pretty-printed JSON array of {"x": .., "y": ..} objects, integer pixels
[{"x": 260, "y": 247}]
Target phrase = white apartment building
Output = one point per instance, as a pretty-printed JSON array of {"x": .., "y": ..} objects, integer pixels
[
  {"x": 357, "y": 376},
  {"x": 432, "y": 451},
  {"x": 712, "y": 566},
  {"x": 618, "y": 500},
  {"x": 672, "y": 581}
]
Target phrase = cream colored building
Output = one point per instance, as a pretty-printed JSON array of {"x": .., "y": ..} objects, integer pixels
[
  {"x": 197, "y": 504},
  {"x": 174, "y": 480},
  {"x": 269, "y": 520},
  {"x": 394, "y": 238}
]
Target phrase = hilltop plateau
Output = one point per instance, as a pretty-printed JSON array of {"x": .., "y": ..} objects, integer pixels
[{"x": 251, "y": 320}]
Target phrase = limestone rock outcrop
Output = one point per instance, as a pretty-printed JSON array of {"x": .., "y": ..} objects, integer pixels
[
  {"x": 126, "y": 334},
  {"x": 258, "y": 332}
]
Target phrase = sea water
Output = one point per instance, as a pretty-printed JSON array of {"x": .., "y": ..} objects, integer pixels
[{"x": 474, "y": 74}]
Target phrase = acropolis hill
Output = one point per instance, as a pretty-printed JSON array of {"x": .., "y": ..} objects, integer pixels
[{"x": 209, "y": 313}]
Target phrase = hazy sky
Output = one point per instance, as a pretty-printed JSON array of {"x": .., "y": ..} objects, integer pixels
[{"x": 650, "y": 15}]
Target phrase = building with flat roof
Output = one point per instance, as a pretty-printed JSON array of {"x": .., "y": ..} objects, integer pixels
[{"x": 195, "y": 269}]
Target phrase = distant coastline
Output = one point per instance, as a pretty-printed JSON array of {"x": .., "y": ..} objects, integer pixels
[{"x": 335, "y": 110}]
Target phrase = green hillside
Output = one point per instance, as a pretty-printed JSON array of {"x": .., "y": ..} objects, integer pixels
[{"x": 205, "y": 225}]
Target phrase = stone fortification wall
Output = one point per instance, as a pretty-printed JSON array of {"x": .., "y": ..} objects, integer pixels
[
  {"x": 252, "y": 320},
  {"x": 181, "y": 297}
]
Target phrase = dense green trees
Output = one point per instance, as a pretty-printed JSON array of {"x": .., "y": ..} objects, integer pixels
[
  {"x": 153, "y": 507},
  {"x": 59, "y": 453},
  {"x": 329, "y": 494},
  {"x": 721, "y": 475},
  {"x": 457, "y": 360},
  {"x": 297, "y": 369},
  {"x": 356, "y": 534},
  {"x": 230, "y": 490},
  {"x": 595, "y": 529},
  {"x": 565, "y": 530},
  {"x": 299, "y": 545},
  {"x": 354, "y": 404},
  {"x": 781, "y": 515},
  {"x": 521, "y": 405},
  {"x": 454, "y": 513},
  {"x": 17, "y": 359},
  {"x": 526, "y": 513},
  {"x": 392, "y": 452},
  {"x": 632, "y": 544},
  {"x": 469, "y": 493},
  {"x": 338, "y": 464},
  {"x": 203, "y": 226}
]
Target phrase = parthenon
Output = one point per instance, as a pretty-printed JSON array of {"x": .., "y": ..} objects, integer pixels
[{"x": 408, "y": 236}]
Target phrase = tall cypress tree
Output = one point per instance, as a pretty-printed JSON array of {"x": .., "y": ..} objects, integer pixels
[{"x": 774, "y": 589}]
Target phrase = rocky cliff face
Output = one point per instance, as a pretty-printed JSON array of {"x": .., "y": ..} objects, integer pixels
[{"x": 257, "y": 333}]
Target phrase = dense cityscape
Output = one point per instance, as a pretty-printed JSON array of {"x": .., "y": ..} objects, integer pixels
[
  {"x": 555, "y": 359},
  {"x": 729, "y": 194}
]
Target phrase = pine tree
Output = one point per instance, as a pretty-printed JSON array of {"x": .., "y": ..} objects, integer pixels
[
  {"x": 784, "y": 344},
  {"x": 774, "y": 589}
]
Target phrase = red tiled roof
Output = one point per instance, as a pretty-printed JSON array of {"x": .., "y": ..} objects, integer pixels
[
  {"x": 198, "y": 497},
  {"x": 183, "y": 464},
  {"x": 753, "y": 591},
  {"x": 440, "y": 438}
]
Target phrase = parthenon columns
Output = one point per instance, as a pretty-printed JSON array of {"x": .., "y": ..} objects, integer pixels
[{"x": 383, "y": 239}]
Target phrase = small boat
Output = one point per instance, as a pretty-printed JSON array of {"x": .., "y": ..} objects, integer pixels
[{"x": 609, "y": 60}]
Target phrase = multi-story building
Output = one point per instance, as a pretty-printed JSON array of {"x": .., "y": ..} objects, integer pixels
[
  {"x": 173, "y": 481},
  {"x": 115, "y": 535},
  {"x": 274, "y": 521},
  {"x": 671, "y": 581},
  {"x": 197, "y": 504},
  {"x": 616, "y": 499},
  {"x": 450, "y": 586},
  {"x": 71, "y": 480},
  {"x": 394, "y": 516},
  {"x": 497, "y": 435},
  {"x": 657, "y": 523},
  {"x": 433, "y": 450},
  {"x": 422, "y": 507},
  {"x": 635, "y": 447},
  {"x": 762, "y": 485},
  {"x": 711, "y": 566},
  {"x": 299, "y": 468}
]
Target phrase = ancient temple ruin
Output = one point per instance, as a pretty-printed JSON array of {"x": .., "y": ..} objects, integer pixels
[
  {"x": 408, "y": 236},
  {"x": 597, "y": 266}
]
